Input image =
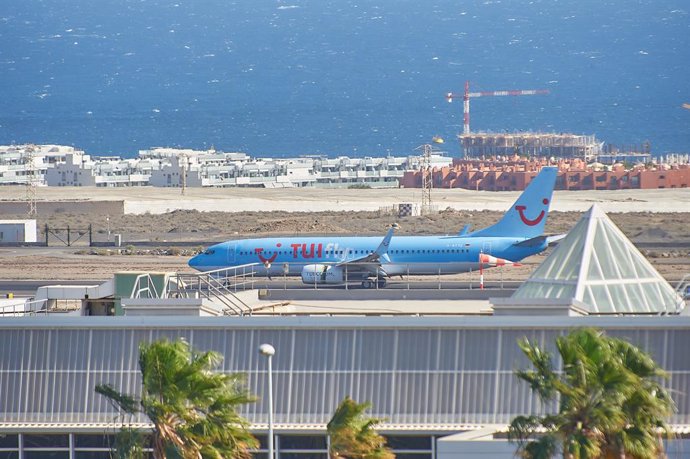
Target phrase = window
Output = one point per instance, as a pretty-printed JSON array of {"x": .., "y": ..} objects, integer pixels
[
  {"x": 8, "y": 441},
  {"x": 409, "y": 442},
  {"x": 28, "y": 454},
  {"x": 301, "y": 442},
  {"x": 92, "y": 455},
  {"x": 93, "y": 441},
  {"x": 46, "y": 441}
]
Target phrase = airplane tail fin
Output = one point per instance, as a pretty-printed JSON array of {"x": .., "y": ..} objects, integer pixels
[{"x": 527, "y": 217}]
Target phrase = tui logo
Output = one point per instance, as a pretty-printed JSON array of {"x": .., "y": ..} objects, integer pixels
[{"x": 531, "y": 222}]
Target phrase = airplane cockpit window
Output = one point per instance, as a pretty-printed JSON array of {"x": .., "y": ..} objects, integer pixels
[{"x": 209, "y": 252}]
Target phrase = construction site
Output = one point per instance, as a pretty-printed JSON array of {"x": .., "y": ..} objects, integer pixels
[{"x": 530, "y": 144}]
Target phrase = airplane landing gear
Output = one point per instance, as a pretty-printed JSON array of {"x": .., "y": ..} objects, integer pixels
[{"x": 372, "y": 283}]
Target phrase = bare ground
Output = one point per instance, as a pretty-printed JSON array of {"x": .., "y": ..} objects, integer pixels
[{"x": 203, "y": 228}]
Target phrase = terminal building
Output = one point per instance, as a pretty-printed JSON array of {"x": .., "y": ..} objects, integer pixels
[{"x": 441, "y": 372}]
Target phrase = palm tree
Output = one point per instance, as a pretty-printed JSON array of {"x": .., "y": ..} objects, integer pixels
[
  {"x": 610, "y": 401},
  {"x": 192, "y": 408},
  {"x": 353, "y": 435}
]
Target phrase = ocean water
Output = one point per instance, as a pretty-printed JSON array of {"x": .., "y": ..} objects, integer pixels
[{"x": 355, "y": 77}]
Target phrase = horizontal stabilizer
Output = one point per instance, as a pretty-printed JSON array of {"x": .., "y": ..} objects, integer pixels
[
  {"x": 555, "y": 239},
  {"x": 532, "y": 242}
]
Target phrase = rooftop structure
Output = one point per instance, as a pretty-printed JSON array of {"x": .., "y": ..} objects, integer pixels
[{"x": 599, "y": 271}]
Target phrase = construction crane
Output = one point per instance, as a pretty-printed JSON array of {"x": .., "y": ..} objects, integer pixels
[{"x": 467, "y": 95}]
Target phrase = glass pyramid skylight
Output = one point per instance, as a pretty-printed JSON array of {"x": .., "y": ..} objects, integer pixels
[{"x": 599, "y": 266}]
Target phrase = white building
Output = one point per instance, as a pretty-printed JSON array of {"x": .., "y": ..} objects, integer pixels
[
  {"x": 79, "y": 169},
  {"x": 17, "y": 162},
  {"x": 17, "y": 231},
  {"x": 165, "y": 167}
]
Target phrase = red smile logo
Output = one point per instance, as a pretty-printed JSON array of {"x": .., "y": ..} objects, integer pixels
[
  {"x": 527, "y": 221},
  {"x": 264, "y": 260}
]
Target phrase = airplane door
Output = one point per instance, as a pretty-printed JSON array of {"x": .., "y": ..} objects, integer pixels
[
  {"x": 486, "y": 248},
  {"x": 231, "y": 254}
]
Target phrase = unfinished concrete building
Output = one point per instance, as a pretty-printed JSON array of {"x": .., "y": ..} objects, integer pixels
[{"x": 533, "y": 144}]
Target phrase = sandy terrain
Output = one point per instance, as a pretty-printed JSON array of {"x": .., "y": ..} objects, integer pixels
[
  {"x": 141, "y": 200},
  {"x": 659, "y": 217}
]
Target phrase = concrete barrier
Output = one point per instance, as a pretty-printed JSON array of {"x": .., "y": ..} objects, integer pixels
[{"x": 69, "y": 207}]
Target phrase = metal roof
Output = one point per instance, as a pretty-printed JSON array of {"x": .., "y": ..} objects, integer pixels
[{"x": 420, "y": 373}]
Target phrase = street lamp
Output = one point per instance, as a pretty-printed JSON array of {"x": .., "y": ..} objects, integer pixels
[{"x": 268, "y": 351}]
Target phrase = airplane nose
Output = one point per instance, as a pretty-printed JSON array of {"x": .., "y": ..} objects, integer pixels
[{"x": 193, "y": 262}]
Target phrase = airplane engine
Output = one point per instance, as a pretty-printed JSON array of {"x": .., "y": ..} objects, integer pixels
[{"x": 323, "y": 274}]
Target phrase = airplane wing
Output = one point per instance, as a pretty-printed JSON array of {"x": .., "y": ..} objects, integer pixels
[
  {"x": 372, "y": 261},
  {"x": 465, "y": 230}
]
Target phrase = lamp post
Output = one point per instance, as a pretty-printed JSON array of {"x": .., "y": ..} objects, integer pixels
[{"x": 268, "y": 351}]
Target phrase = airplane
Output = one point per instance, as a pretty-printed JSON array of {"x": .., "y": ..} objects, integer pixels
[{"x": 370, "y": 260}]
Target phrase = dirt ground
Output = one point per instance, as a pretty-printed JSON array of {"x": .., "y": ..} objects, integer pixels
[
  {"x": 206, "y": 227},
  {"x": 667, "y": 232}
]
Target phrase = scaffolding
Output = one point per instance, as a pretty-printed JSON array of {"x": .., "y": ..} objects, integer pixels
[{"x": 530, "y": 144}]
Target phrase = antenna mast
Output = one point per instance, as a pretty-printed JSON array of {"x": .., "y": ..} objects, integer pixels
[
  {"x": 31, "y": 184},
  {"x": 183, "y": 172},
  {"x": 427, "y": 179}
]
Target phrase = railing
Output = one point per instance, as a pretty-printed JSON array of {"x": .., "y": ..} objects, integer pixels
[
  {"x": 27, "y": 307},
  {"x": 220, "y": 285},
  {"x": 144, "y": 285},
  {"x": 354, "y": 275}
]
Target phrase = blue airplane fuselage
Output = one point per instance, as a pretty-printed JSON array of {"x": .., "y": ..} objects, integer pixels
[
  {"x": 336, "y": 259},
  {"x": 413, "y": 254}
]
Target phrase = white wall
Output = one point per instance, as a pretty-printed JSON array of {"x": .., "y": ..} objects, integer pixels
[
  {"x": 18, "y": 231},
  {"x": 489, "y": 449}
]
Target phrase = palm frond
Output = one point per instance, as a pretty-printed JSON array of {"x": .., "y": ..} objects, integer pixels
[{"x": 121, "y": 401}]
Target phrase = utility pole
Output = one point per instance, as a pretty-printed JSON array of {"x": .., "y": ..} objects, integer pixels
[
  {"x": 183, "y": 172},
  {"x": 30, "y": 181},
  {"x": 427, "y": 179}
]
